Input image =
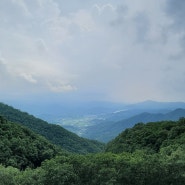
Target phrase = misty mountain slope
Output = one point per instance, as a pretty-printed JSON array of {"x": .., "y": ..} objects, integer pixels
[
  {"x": 155, "y": 105},
  {"x": 98, "y": 126},
  {"x": 146, "y": 106},
  {"x": 106, "y": 130},
  {"x": 54, "y": 133}
]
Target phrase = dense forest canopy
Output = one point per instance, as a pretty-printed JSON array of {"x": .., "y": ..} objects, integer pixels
[
  {"x": 152, "y": 153},
  {"x": 144, "y": 164},
  {"x": 21, "y": 147},
  {"x": 151, "y": 137}
]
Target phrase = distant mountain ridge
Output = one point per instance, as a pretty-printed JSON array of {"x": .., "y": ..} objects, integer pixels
[
  {"x": 146, "y": 106},
  {"x": 107, "y": 130},
  {"x": 110, "y": 120},
  {"x": 157, "y": 105}
]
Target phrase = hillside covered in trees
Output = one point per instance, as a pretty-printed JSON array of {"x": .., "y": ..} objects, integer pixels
[
  {"x": 21, "y": 147},
  {"x": 152, "y": 137},
  {"x": 152, "y": 153},
  {"x": 54, "y": 133}
]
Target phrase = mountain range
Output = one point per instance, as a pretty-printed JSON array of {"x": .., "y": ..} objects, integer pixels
[
  {"x": 54, "y": 133},
  {"x": 97, "y": 121},
  {"x": 151, "y": 153},
  {"x": 107, "y": 130},
  {"x": 104, "y": 121}
]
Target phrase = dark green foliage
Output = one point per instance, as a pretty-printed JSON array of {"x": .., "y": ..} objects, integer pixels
[
  {"x": 151, "y": 154},
  {"x": 151, "y": 137},
  {"x": 57, "y": 173},
  {"x": 20, "y": 147},
  {"x": 54, "y": 133},
  {"x": 138, "y": 168}
]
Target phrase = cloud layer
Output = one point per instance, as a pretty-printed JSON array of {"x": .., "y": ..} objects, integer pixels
[{"x": 108, "y": 50}]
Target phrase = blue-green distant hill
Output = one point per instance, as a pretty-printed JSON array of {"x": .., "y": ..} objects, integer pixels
[{"x": 107, "y": 130}]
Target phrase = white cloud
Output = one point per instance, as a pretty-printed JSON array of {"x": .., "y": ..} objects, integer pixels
[
  {"x": 23, "y": 7},
  {"x": 3, "y": 67},
  {"x": 28, "y": 77},
  {"x": 125, "y": 50},
  {"x": 84, "y": 20},
  {"x": 102, "y": 8},
  {"x": 61, "y": 87}
]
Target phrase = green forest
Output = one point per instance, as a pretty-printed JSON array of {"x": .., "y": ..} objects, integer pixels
[
  {"x": 54, "y": 133},
  {"x": 147, "y": 154}
]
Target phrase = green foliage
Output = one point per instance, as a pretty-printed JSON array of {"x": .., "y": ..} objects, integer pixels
[
  {"x": 20, "y": 147},
  {"x": 151, "y": 137},
  {"x": 54, "y": 133},
  {"x": 59, "y": 173},
  {"x": 152, "y": 154},
  {"x": 138, "y": 168},
  {"x": 7, "y": 175},
  {"x": 30, "y": 177}
]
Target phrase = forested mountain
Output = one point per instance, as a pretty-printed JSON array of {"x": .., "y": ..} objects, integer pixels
[
  {"x": 152, "y": 154},
  {"x": 54, "y": 133},
  {"x": 21, "y": 147},
  {"x": 151, "y": 137},
  {"x": 107, "y": 129}
]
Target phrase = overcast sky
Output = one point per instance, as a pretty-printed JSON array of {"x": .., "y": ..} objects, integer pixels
[{"x": 111, "y": 50}]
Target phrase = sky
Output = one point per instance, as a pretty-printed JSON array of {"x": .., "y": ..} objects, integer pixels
[{"x": 92, "y": 50}]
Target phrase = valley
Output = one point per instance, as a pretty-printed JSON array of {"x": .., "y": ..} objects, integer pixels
[
  {"x": 106, "y": 125},
  {"x": 91, "y": 92},
  {"x": 34, "y": 152}
]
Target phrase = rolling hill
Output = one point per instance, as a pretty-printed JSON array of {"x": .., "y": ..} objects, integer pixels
[
  {"x": 151, "y": 137},
  {"x": 151, "y": 153},
  {"x": 106, "y": 130},
  {"x": 54, "y": 133},
  {"x": 20, "y": 147}
]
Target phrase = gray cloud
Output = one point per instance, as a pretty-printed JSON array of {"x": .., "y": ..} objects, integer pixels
[
  {"x": 3, "y": 68},
  {"x": 142, "y": 27},
  {"x": 175, "y": 9},
  {"x": 119, "y": 50}
]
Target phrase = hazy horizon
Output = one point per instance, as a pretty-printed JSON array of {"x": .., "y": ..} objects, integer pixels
[{"x": 98, "y": 50}]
